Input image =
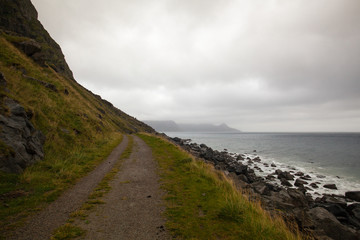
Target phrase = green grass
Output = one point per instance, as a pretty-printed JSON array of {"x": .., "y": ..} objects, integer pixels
[
  {"x": 201, "y": 203},
  {"x": 104, "y": 186},
  {"x": 69, "y": 155},
  {"x": 95, "y": 197},
  {"x": 67, "y": 231},
  {"x": 45, "y": 181}
]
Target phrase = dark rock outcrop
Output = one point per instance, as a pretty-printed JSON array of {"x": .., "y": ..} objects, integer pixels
[
  {"x": 29, "y": 47},
  {"x": 24, "y": 142},
  {"x": 45, "y": 84},
  {"x": 285, "y": 182},
  {"x": 327, "y": 225},
  {"x": 353, "y": 195},
  {"x": 330, "y": 186},
  {"x": 299, "y": 182},
  {"x": 284, "y": 175},
  {"x": 306, "y": 177},
  {"x": 20, "y": 18},
  {"x": 354, "y": 210}
]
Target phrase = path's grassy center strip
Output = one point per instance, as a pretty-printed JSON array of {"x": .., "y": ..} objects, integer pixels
[
  {"x": 201, "y": 203},
  {"x": 70, "y": 230}
]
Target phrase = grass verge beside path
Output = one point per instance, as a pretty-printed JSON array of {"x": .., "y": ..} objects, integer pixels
[
  {"x": 24, "y": 194},
  {"x": 201, "y": 203},
  {"x": 70, "y": 230}
]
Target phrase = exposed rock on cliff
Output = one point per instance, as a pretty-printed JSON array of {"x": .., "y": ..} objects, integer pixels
[
  {"x": 20, "y": 18},
  {"x": 63, "y": 110},
  {"x": 22, "y": 142}
]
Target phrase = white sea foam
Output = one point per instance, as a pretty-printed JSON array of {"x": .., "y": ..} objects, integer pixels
[
  {"x": 315, "y": 154},
  {"x": 343, "y": 185}
]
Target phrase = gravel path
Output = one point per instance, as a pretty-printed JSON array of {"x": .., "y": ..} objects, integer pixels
[
  {"x": 46, "y": 221},
  {"x": 133, "y": 207}
]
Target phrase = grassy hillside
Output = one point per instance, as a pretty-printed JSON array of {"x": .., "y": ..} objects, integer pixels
[
  {"x": 202, "y": 203},
  {"x": 21, "y": 17},
  {"x": 80, "y": 129}
]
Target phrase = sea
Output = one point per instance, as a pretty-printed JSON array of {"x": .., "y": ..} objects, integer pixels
[{"x": 329, "y": 158}]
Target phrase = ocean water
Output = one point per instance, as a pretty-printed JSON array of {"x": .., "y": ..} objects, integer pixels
[{"x": 326, "y": 157}]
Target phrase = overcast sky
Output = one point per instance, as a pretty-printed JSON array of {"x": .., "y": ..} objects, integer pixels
[{"x": 257, "y": 65}]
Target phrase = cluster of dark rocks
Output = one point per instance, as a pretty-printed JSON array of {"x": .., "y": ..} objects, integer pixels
[
  {"x": 24, "y": 142},
  {"x": 21, "y": 144},
  {"x": 19, "y": 20},
  {"x": 326, "y": 217}
]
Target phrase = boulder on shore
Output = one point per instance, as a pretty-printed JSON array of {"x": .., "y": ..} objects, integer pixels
[
  {"x": 285, "y": 182},
  {"x": 299, "y": 182},
  {"x": 327, "y": 225},
  {"x": 286, "y": 175},
  {"x": 353, "y": 195},
  {"x": 330, "y": 186}
]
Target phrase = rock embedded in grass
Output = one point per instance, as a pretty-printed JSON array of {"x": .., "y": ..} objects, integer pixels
[
  {"x": 29, "y": 47},
  {"x": 20, "y": 135}
]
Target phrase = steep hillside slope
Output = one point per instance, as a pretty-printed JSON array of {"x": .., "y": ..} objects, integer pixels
[
  {"x": 34, "y": 73},
  {"x": 20, "y": 17},
  {"x": 64, "y": 111},
  {"x": 46, "y": 117}
]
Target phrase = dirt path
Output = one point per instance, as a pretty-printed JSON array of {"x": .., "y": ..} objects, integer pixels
[
  {"x": 133, "y": 207},
  {"x": 45, "y": 222}
]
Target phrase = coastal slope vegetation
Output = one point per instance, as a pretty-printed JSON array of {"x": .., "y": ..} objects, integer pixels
[
  {"x": 202, "y": 203},
  {"x": 77, "y": 128}
]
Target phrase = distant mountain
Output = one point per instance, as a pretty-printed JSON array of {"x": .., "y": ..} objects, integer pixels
[
  {"x": 164, "y": 126},
  {"x": 171, "y": 126}
]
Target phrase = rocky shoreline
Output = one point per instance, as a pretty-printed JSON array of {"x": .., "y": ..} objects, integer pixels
[{"x": 328, "y": 216}]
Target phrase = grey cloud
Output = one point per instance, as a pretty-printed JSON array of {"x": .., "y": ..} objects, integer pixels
[{"x": 266, "y": 66}]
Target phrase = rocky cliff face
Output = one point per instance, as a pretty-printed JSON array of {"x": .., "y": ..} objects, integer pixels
[
  {"x": 19, "y": 17},
  {"x": 39, "y": 99},
  {"x": 24, "y": 142}
]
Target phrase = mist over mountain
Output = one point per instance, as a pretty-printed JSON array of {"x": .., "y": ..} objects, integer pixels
[{"x": 172, "y": 126}]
